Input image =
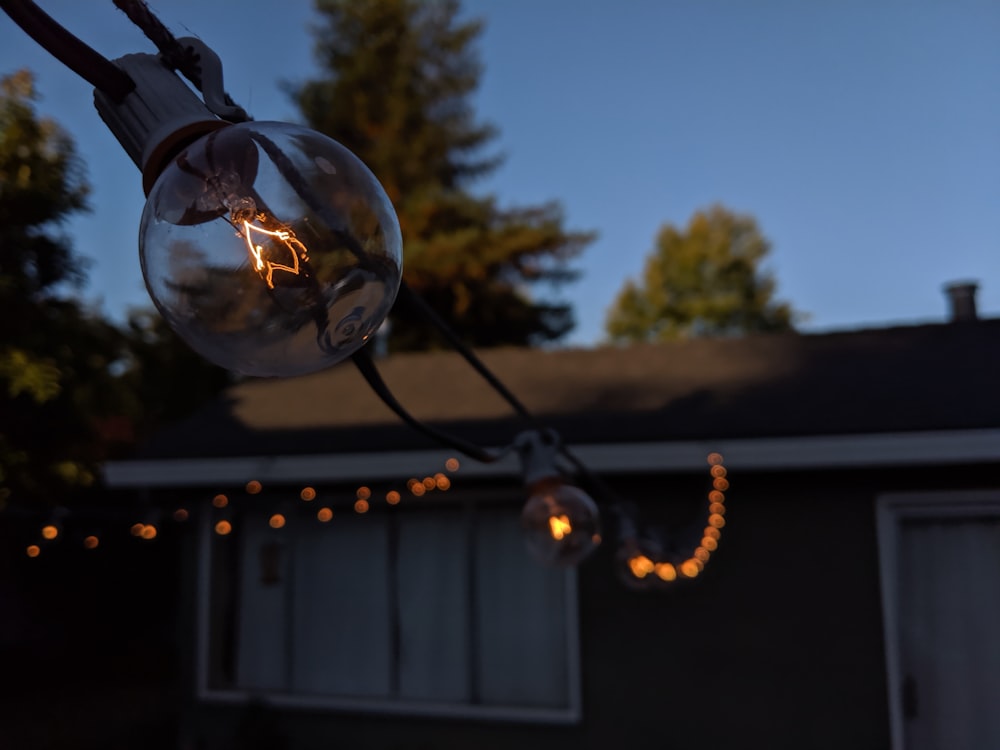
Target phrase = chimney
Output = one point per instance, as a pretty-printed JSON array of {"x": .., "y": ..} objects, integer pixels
[{"x": 962, "y": 299}]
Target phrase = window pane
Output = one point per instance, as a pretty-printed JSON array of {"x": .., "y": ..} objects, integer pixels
[
  {"x": 433, "y": 596},
  {"x": 341, "y": 610},
  {"x": 521, "y": 619},
  {"x": 440, "y": 605},
  {"x": 260, "y": 622}
]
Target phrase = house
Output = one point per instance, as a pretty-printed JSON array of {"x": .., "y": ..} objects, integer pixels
[{"x": 853, "y": 600}]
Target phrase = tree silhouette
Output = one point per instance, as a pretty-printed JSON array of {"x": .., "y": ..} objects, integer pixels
[
  {"x": 57, "y": 394},
  {"x": 398, "y": 77},
  {"x": 703, "y": 280}
]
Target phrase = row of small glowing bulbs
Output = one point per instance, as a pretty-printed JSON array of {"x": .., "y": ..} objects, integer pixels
[
  {"x": 642, "y": 566},
  {"x": 324, "y": 514}
]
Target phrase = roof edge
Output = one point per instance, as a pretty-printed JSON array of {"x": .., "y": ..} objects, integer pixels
[{"x": 762, "y": 454}]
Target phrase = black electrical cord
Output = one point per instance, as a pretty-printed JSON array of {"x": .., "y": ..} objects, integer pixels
[
  {"x": 83, "y": 60},
  {"x": 369, "y": 371},
  {"x": 409, "y": 297},
  {"x": 366, "y": 366},
  {"x": 172, "y": 51}
]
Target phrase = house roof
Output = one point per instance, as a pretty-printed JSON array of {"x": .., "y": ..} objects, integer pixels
[{"x": 900, "y": 379}]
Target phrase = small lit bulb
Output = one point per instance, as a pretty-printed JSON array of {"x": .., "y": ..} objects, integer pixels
[
  {"x": 639, "y": 565},
  {"x": 561, "y": 524},
  {"x": 270, "y": 249}
]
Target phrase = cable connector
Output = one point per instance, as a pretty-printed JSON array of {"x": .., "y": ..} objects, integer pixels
[
  {"x": 158, "y": 118},
  {"x": 538, "y": 450}
]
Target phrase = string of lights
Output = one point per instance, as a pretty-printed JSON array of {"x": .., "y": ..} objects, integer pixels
[
  {"x": 294, "y": 260},
  {"x": 146, "y": 523},
  {"x": 644, "y": 564}
]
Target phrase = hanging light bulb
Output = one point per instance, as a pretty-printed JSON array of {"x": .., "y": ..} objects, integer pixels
[
  {"x": 639, "y": 560},
  {"x": 269, "y": 248},
  {"x": 561, "y": 522},
  {"x": 641, "y": 565},
  {"x": 251, "y": 249}
]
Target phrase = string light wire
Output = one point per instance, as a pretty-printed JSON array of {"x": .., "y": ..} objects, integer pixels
[{"x": 71, "y": 51}]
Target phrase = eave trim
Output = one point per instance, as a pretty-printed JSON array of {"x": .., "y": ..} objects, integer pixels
[{"x": 887, "y": 450}]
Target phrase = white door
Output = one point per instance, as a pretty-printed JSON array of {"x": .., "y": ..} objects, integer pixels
[{"x": 942, "y": 594}]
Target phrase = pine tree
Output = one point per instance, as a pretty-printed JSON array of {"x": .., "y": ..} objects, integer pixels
[
  {"x": 398, "y": 75},
  {"x": 704, "y": 280}
]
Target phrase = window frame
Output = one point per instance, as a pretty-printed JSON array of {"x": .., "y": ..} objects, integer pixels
[
  {"x": 891, "y": 510},
  {"x": 205, "y": 692}
]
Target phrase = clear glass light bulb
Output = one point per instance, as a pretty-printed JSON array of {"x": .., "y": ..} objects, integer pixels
[
  {"x": 270, "y": 249},
  {"x": 561, "y": 524}
]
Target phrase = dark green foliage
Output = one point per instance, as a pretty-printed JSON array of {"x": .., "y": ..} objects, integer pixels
[
  {"x": 164, "y": 377},
  {"x": 74, "y": 389},
  {"x": 57, "y": 394},
  {"x": 704, "y": 280},
  {"x": 398, "y": 75},
  {"x": 41, "y": 184}
]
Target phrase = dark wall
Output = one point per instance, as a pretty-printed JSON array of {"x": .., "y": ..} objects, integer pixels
[
  {"x": 88, "y": 652},
  {"x": 778, "y": 643}
]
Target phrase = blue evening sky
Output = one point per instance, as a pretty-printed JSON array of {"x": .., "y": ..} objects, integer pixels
[{"x": 864, "y": 135}]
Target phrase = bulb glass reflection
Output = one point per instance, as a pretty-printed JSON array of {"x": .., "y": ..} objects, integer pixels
[
  {"x": 561, "y": 524},
  {"x": 270, "y": 249}
]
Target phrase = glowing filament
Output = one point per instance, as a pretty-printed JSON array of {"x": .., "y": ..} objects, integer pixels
[
  {"x": 559, "y": 526},
  {"x": 266, "y": 266}
]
